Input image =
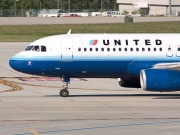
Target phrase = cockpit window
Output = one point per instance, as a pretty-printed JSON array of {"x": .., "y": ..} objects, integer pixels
[
  {"x": 36, "y": 48},
  {"x": 43, "y": 49},
  {"x": 29, "y": 48}
]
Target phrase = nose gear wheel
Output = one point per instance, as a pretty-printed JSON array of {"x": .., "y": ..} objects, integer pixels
[{"x": 64, "y": 92}]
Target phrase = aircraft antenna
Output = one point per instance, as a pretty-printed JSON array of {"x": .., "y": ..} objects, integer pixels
[{"x": 69, "y": 32}]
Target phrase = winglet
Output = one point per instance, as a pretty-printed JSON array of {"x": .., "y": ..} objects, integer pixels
[{"x": 69, "y": 32}]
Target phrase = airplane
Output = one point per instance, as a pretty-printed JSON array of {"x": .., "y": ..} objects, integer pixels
[{"x": 147, "y": 61}]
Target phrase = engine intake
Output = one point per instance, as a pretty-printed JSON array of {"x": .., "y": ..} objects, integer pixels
[{"x": 162, "y": 80}]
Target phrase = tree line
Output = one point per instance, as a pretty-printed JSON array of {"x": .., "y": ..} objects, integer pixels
[{"x": 34, "y": 6}]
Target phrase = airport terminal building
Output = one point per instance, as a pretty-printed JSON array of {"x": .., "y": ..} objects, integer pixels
[{"x": 150, "y": 7}]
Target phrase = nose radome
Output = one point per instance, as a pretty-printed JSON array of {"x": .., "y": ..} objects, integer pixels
[{"x": 15, "y": 63}]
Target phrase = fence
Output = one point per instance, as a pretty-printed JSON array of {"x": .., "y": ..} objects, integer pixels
[
  {"x": 36, "y": 12},
  {"x": 155, "y": 11},
  {"x": 18, "y": 13}
]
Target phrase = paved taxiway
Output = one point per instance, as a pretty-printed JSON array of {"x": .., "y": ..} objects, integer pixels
[
  {"x": 95, "y": 106},
  {"x": 78, "y": 20}
]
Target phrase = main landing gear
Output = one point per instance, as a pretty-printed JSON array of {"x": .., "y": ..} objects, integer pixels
[{"x": 64, "y": 92}]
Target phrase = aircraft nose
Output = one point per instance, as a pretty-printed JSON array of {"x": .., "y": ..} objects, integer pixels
[{"x": 15, "y": 63}]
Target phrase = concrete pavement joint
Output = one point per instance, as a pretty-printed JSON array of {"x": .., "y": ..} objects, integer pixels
[
  {"x": 90, "y": 119},
  {"x": 117, "y": 108},
  {"x": 22, "y": 107},
  {"x": 105, "y": 127}
]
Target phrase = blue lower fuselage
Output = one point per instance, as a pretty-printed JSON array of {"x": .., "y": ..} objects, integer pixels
[{"x": 87, "y": 69}]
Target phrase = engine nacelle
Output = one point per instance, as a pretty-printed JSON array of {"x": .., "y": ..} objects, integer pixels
[
  {"x": 129, "y": 83},
  {"x": 162, "y": 80}
]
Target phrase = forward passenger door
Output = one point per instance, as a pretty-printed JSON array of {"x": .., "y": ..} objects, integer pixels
[{"x": 66, "y": 49}]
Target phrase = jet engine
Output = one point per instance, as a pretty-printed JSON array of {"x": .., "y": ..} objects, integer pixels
[
  {"x": 130, "y": 82},
  {"x": 162, "y": 80}
]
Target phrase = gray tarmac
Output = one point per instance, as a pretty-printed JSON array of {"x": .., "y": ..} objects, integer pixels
[
  {"x": 95, "y": 106},
  {"x": 78, "y": 20}
]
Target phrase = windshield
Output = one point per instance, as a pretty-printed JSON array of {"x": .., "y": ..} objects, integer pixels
[
  {"x": 29, "y": 48},
  {"x": 36, "y": 48}
]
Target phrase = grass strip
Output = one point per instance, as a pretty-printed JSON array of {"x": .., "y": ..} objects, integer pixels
[{"x": 29, "y": 33}]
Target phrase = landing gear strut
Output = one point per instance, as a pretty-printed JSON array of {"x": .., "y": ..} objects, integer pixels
[{"x": 64, "y": 92}]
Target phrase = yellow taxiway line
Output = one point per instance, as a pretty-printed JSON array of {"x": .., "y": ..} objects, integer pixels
[
  {"x": 10, "y": 84},
  {"x": 35, "y": 132}
]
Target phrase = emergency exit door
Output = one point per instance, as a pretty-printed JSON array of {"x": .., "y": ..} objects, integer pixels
[{"x": 66, "y": 49}]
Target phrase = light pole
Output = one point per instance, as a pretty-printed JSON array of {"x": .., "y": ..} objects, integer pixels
[
  {"x": 57, "y": 4},
  {"x": 69, "y": 6},
  {"x": 39, "y": 6},
  {"x": 61, "y": 4},
  {"x": 101, "y": 5},
  {"x": 170, "y": 13},
  {"x": 15, "y": 8},
  {"x": 83, "y": 5}
]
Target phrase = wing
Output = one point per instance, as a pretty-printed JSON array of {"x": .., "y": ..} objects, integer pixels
[{"x": 172, "y": 66}]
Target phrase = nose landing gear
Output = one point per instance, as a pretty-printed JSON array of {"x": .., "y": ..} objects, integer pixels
[{"x": 64, "y": 92}]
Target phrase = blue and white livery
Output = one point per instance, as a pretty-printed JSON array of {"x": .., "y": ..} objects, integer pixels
[{"x": 150, "y": 61}]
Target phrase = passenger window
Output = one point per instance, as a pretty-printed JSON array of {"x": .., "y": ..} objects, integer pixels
[
  {"x": 143, "y": 49},
  {"x": 149, "y": 49},
  {"x": 125, "y": 49},
  {"x": 178, "y": 49},
  {"x": 137, "y": 49},
  {"x": 85, "y": 49},
  {"x": 43, "y": 49},
  {"x": 160, "y": 49},
  {"x": 119, "y": 49},
  {"x": 108, "y": 49},
  {"x": 102, "y": 49},
  {"x": 90, "y": 49},
  {"x": 79, "y": 49},
  {"x": 36, "y": 48},
  {"x": 114, "y": 49},
  {"x": 29, "y": 48},
  {"x": 131, "y": 49},
  {"x": 154, "y": 49},
  {"x": 96, "y": 49}
]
